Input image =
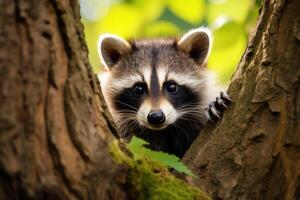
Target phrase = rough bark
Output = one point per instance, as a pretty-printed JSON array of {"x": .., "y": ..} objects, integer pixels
[
  {"x": 254, "y": 152},
  {"x": 54, "y": 127}
]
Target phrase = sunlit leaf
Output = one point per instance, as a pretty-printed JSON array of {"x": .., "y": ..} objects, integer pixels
[
  {"x": 150, "y": 9},
  {"x": 224, "y": 58},
  {"x": 226, "y": 35},
  {"x": 122, "y": 19},
  {"x": 236, "y": 10},
  {"x": 93, "y": 9},
  {"x": 136, "y": 147},
  {"x": 91, "y": 36},
  {"x": 161, "y": 29},
  {"x": 189, "y": 10},
  {"x": 252, "y": 18}
]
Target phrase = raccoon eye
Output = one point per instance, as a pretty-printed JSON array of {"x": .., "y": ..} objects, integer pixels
[
  {"x": 138, "y": 90},
  {"x": 172, "y": 88}
]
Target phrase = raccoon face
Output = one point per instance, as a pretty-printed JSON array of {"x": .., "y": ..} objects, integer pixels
[{"x": 153, "y": 84}]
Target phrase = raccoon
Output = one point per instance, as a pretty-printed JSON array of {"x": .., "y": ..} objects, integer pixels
[{"x": 160, "y": 89}]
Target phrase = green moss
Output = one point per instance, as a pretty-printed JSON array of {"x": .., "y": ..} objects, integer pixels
[
  {"x": 119, "y": 155},
  {"x": 148, "y": 180}
]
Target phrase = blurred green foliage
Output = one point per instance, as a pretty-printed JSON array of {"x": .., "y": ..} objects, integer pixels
[{"x": 230, "y": 20}]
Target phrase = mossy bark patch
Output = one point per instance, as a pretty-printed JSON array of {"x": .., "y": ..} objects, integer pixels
[{"x": 148, "y": 180}]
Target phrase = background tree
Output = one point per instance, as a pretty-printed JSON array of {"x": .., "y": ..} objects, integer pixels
[{"x": 55, "y": 130}]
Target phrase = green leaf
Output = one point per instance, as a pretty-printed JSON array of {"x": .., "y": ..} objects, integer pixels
[
  {"x": 91, "y": 36},
  {"x": 161, "y": 29},
  {"x": 236, "y": 10},
  {"x": 228, "y": 47},
  {"x": 227, "y": 35},
  {"x": 122, "y": 19},
  {"x": 139, "y": 151},
  {"x": 150, "y": 9},
  {"x": 136, "y": 147},
  {"x": 190, "y": 10}
]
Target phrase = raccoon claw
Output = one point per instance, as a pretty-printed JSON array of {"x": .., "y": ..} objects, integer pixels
[
  {"x": 216, "y": 108},
  {"x": 225, "y": 97}
]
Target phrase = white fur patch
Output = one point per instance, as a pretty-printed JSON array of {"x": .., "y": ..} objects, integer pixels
[
  {"x": 147, "y": 75},
  {"x": 127, "y": 82},
  {"x": 211, "y": 88},
  {"x": 169, "y": 111},
  {"x": 143, "y": 112},
  {"x": 116, "y": 85},
  {"x": 186, "y": 79},
  {"x": 161, "y": 73}
]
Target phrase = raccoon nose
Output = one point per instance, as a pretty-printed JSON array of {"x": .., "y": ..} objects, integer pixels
[{"x": 156, "y": 118}]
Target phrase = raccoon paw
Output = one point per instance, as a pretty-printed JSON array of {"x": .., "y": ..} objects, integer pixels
[{"x": 216, "y": 108}]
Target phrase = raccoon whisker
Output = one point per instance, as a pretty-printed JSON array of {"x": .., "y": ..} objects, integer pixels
[
  {"x": 125, "y": 104},
  {"x": 125, "y": 119},
  {"x": 124, "y": 113},
  {"x": 126, "y": 123},
  {"x": 190, "y": 110},
  {"x": 127, "y": 115},
  {"x": 135, "y": 129},
  {"x": 172, "y": 115},
  {"x": 177, "y": 124},
  {"x": 180, "y": 128},
  {"x": 193, "y": 109},
  {"x": 188, "y": 116},
  {"x": 128, "y": 127},
  {"x": 143, "y": 131},
  {"x": 127, "y": 111},
  {"x": 135, "y": 126},
  {"x": 191, "y": 115},
  {"x": 191, "y": 105}
]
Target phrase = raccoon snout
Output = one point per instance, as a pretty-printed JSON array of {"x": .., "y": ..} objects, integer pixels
[{"x": 156, "y": 118}]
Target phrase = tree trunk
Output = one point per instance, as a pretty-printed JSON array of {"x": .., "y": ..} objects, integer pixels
[
  {"x": 54, "y": 128},
  {"x": 254, "y": 152}
]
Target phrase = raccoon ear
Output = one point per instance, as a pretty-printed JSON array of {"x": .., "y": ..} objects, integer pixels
[
  {"x": 111, "y": 48},
  {"x": 196, "y": 43}
]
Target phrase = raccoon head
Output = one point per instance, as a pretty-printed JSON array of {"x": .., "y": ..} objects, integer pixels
[{"x": 153, "y": 84}]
